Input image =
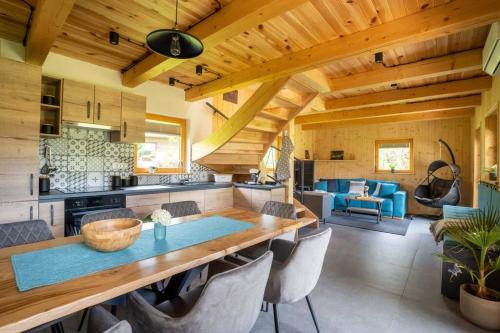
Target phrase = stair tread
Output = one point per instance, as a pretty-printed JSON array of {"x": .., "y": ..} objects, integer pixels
[
  {"x": 300, "y": 209},
  {"x": 307, "y": 220}
]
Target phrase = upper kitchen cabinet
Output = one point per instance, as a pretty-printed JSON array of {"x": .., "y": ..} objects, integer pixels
[
  {"x": 78, "y": 102},
  {"x": 133, "y": 121},
  {"x": 107, "y": 106},
  {"x": 86, "y": 103},
  {"x": 20, "y": 92}
]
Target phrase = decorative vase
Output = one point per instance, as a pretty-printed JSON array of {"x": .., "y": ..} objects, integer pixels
[
  {"x": 160, "y": 231},
  {"x": 482, "y": 312},
  {"x": 393, "y": 170},
  {"x": 493, "y": 176}
]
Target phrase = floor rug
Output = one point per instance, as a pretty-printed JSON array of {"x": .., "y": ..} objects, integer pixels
[{"x": 363, "y": 221}]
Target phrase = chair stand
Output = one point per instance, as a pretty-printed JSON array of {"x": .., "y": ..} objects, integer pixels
[
  {"x": 276, "y": 320},
  {"x": 309, "y": 304}
]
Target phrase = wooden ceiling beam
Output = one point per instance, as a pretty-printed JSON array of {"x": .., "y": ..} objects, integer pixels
[
  {"x": 230, "y": 21},
  {"x": 314, "y": 79},
  {"x": 430, "y": 23},
  {"x": 391, "y": 110},
  {"x": 445, "y": 65},
  {"x": 432, "y": 91},
  {"x": 437, "y": 115},
  {"x": 48, "y": 18}
]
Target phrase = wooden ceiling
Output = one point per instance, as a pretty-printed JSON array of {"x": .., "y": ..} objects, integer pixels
[{"x": 84, "y": 36}]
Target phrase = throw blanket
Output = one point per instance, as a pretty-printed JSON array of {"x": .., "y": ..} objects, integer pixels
[{"x": 438, "y": 228}]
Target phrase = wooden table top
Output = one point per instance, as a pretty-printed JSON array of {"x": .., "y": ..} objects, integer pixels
[
  {"x": 20, "y": 311},
  {"x": 362, "y": 198}
]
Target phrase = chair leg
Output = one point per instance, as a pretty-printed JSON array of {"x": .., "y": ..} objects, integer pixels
[
  {"x": 83, "y": 319},
  {"x": 61, "y": 327},
  {"x": 309, "y": 304},
  {"x": 113, "y": 310},
  {"x": 276, "y": 320}
]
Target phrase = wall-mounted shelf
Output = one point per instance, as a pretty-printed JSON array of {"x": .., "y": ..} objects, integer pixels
[{"x": 50, "y": 114}]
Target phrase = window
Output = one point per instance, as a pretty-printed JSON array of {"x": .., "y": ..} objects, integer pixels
[
  {"x": 272, "y": 155},
  {"x": 394, "y": 155},
  {"x": 165, "y": 146}
]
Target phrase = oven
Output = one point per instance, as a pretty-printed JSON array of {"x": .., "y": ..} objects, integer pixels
[{"x": 76, "y": 208}]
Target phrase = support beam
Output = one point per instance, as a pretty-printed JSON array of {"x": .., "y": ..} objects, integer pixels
[
  {"x": 313, "y": 79},
  {"x": 432, "y": 91},
  {"x": 48, "y": 18},
  {"x": 230, "y": 21},
  {"x": 392, "y": 110},
  {"x": 239, "y": 120},
  {"x": 446, "y": 65},
  {"x": 427, "y": 24},
  {"x": 444, "y": 114}
]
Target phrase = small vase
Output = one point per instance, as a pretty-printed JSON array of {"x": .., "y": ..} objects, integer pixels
[
  {"x": 493, "y": 176},
  {"x": 160, "y": 231}
]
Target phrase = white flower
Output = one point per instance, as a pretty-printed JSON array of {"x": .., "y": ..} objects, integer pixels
[{"x": 161, "y": 216}]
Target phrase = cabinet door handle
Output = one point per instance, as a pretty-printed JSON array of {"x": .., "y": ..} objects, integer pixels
[
  {"x": 99, "y": 111},
  {"x": 31, "y": 212},
  {"x": 124, "y": 129},
  {"x": 51, "y": 214},
  {"x": 88, "y": 109},
  {"x": 31, "y": 183}
]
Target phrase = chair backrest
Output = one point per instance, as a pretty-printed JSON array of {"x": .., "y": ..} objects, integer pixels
[
  {"x": 279, "y": 209},
  {"x": 458, "y": 212},
  {"x": 182, "y": 208},
  {"x": 231, "y": 301},
  {"x": 24, "y": 232},
  {"x": 117, "y": 213},
  {"x": 297, "y": 276},
  {"x": 101, "y": 321}
]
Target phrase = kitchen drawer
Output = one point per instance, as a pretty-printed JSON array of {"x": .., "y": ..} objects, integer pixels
[
  {"x": 53, "y": 214},
  {"x": 242, "y": 197},
  {"x": 148, "y": 199},
  {"x": 220, "y": 198},
  {"x": 198, "y": 196},
  {"x": 142, "y": 211},
  {"x": 18, "y": 211}
]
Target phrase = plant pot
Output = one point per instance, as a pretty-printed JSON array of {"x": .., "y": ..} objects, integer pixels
[
  {"x": 493, "y": 176},
  {"x": 482, "y": 312},
  {"x": 393, "y": 170}
]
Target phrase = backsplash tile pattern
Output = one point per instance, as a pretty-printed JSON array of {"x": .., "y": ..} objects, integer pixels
[{"x": 86, "y": 158}]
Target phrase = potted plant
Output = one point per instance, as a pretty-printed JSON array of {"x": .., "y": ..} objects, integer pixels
[
  {"x": 392, "y": 166},
  {"x": 492, "y": 171},
  {"x": 479, "y": 234}
]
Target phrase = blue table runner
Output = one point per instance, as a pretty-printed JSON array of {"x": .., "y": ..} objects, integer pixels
[{"x": 62, "y": 263}]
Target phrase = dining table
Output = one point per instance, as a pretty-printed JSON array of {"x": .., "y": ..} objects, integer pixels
[{"x": 21, "y": 311}]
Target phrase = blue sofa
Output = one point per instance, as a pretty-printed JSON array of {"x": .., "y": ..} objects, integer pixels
[{"x": 394, "y": 205}]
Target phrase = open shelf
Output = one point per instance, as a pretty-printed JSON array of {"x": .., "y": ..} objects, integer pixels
[{"x": 50, "y": 114}]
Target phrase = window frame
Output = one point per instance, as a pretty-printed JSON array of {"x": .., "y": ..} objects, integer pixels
[
  {"x": 173, "y": 120},
  {"x": 405, "y": 140}
]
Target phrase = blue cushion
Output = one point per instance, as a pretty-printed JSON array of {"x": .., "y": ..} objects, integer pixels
[
  {"x": 321, "y": 185},
  {"x": 458, "y": 212},
  {"x": 331, "y": 184},
  {"x": 386, "y": 190}
]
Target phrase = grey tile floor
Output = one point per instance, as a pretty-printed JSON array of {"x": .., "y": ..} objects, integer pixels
[{"x": 372, "y": 282}]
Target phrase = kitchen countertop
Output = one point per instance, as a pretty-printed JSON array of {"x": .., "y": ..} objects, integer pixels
[
  {"x": 259, "y": 186},
  {"x": 55, "y": 195}
]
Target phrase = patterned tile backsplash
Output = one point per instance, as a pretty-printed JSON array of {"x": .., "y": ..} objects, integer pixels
[{"x": 86, "y": 158}]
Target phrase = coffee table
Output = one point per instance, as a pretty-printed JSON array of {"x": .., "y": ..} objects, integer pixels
[{"x": 377, "y": 201}]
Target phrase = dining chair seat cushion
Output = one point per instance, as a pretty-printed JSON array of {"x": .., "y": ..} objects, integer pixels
[
  {"x": 255, "y": 251},
  {"x": 24, "y": 232},
  {"x": 296, "y": 268},
  {"x": 101, "y": 321},
  {"x": 182, "y": 208},
  {"x": 228, "y": 303}
]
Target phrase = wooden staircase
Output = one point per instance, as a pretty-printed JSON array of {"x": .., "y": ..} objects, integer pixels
[{"x": 242, "y": 141}]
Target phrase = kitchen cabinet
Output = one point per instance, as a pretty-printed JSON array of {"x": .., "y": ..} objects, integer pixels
[
  {"x": 133, "y": 119},
  {"x": 107, "y": 106},
  {"x": 53, "y": 214},
  {"x": 220, "y": 198},
  {"x": 20, "y": 90},
  {"x": 145, "y": 204},
  {"x": 197, "y": 196},
  {"x": 87, "y": 103},
  {"x": 78, "y": 102},
  {"x": 254, "y": 199}
]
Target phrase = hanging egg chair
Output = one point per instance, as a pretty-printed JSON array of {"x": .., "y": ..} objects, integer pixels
[{"x": 435, "y": 191}]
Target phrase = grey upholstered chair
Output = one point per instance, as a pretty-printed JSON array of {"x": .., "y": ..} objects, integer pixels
[
  {"x": 182, "y": 208},
  {"x": 295, "y": 271},
  {"x": 229, "y": 303},
  {"x": 101, "y": 321},
  {"x": 274, "y": 208},
  {"x": 24, "y": 232},
  {"x": 117, "y": 213}
]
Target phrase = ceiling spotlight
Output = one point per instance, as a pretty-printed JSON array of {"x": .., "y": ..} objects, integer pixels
[
  {"x": 379, "y": 57},
  {"x": 114, "y": 37},
  {"x": 174, "y": 43},
  {"x": 171, "y": 81},
  {"x": 394, "y": 85},
  {"x": 199, "y": 70}
]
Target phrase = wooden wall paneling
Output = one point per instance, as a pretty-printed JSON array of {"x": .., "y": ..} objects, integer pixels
[{"x": 360, "y": 143}]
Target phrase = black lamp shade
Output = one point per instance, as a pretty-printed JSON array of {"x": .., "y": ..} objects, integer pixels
[{"x": 160, "y": 41}]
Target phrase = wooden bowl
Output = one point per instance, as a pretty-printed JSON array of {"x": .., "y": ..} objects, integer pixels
[{"x": 111, "y": 235}]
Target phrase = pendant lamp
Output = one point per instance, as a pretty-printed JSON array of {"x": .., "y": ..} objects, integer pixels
[{"x": 174, "y": 43}]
